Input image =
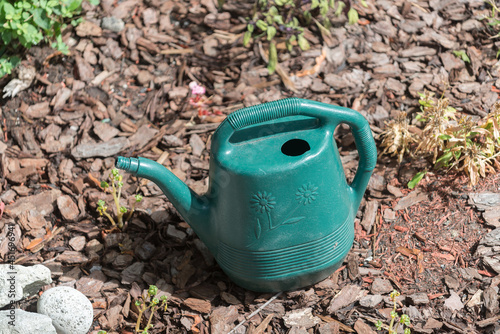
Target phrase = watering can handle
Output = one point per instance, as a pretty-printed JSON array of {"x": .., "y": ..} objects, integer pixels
[{"x": 329, "y": 115}]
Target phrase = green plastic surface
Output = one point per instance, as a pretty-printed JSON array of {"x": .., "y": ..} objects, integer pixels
[{"x": 279, "y": 212}]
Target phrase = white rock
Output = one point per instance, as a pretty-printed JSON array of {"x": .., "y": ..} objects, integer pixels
[
  {"x": 18, "y": 282},
  {"x": 16, "y": 321},
  {"x": 301, "y": 318},
  {"x": 71, "y": 312}
]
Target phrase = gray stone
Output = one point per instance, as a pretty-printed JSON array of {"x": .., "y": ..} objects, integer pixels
[
  {"x": 485, "y": 200},
  {"x": 369, "y": 215},
  {"x": 381, "y": 286},
  {"x": 205, "y": 252},
  {"x": 197, "y": 144},
  {"x": 301, "y": 318},
  {"x": 172, "y": 141},
  {"x": 412, "y": 312},
  {"x": 132, "y": 273},
  {"x": 491, "y": 239},
  {"x": 71, "y": 312},
  {"x": 418, "y": 51},
  {"x": 112, "y": 23},
  {"x": 370, "y": 301},
  {"x": 492, "y": 217},
  {"x": 17, "y": 321},
  {"x": 104, "y": 149},
  {"x": 453, "y": 302},
  {"x": 145, "y": 250},
  {"x": 451, "y": 282},
  {"x": 175, "y": 233},
  {"x": 419, "y": 298},
  {"x": 297, "y": 330},
  {"x": 26, "y": 281}
]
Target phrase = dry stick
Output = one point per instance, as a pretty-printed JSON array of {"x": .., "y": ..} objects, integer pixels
[{"x": 255, "y": 312}]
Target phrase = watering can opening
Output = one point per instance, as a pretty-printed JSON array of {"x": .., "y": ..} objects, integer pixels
[{"x": 295, "y": 147}]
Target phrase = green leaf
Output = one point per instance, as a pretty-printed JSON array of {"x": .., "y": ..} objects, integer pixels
[
  {"x": 444, "y": 160},
  {"x": 332, "y": 4},
  {"x": 303, "y": 43},
  {"x": 7, "y": 36},
  {"x": 340, "y": 8},
  {"x": 378, "y": 324},
  {"x": 307, "y": 16},
  {"x": 416, "y": 179},
  {"x": 261, "y": 25},
  {"x": 246, "y": 38},
  {"x": 250, "y": 28},
  {"x": 461, "y": 54},
  {"x": 273, "y": 11},
  {"x": 96, "y": 3},
  {"x": 314, "y": 4},
  {"x": 41, "y": 19},
  {"x": 153, "y": 290},
  {"x": 278, "y": 19},
  {"x": 352, "y": 14},
  {"x": 273, "y": 58},
  {"x": 74, "y": 5},
  {"x": 271, "y": 32},
  {"x": 444, "y": 137},
  {"x": 363, "y": 3},
  {"x": 9, "y": 10}
]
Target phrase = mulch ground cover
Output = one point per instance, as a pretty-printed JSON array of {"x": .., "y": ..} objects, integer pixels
[{"x": 124, "y": 90}]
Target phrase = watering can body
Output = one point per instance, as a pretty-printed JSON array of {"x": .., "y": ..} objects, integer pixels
[{"x": 279, "y": 213}]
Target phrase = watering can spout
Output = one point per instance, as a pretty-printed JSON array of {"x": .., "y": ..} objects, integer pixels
[{"x": 191, "y": 206}]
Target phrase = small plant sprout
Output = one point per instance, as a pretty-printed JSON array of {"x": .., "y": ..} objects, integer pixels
[
  {"x": 152, "y": 303},
  {"x": 278, "y": 21},
  {"x": 396, "y": 319},
  {"x": 462, "y": 55},
  {"x": 102, "y": 332},
  {"x": 115, "y": 189}
]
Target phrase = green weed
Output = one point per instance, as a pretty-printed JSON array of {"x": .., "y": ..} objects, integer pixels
[
  {"x": 115, "y": 189},
  {"x": 24, "y": 23},
  {"x": 396, "y": 319},
  {"x": 146, "y": 302},
  {"x": 284, "y": 20}
]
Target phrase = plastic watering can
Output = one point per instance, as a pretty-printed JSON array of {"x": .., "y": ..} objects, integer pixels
[{"x": 279, "y": 212}]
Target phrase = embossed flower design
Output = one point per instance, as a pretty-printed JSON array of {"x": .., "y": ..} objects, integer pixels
[
  {"x": 263, "y": 202},
  {"x": 306, "y": 194}
]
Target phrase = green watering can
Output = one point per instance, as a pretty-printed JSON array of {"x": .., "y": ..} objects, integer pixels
[{"x": 279, "y": 213}]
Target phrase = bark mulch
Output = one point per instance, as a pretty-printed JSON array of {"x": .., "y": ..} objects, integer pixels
[{"x": 124, "y": 90}]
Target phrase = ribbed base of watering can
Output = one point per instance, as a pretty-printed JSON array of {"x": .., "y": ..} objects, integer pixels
[{"x": 287, "y": 268}]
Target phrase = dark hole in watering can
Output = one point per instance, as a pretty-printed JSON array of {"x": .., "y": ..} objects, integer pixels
[{"x": 295, "y": 147}]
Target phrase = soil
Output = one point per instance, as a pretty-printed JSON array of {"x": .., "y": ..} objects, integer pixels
[{"x": 123, "y": 90}]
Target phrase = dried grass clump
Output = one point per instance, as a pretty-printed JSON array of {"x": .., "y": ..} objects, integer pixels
[{"x": 451, "y": 140}]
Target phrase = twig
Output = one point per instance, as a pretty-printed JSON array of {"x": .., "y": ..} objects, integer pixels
[
  {"x": 176, "y": 51},
  {"x": 255, "y": 312}
]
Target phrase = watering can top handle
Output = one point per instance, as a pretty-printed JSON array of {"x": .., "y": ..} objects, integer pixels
[{"x": 328, "y": 114}]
